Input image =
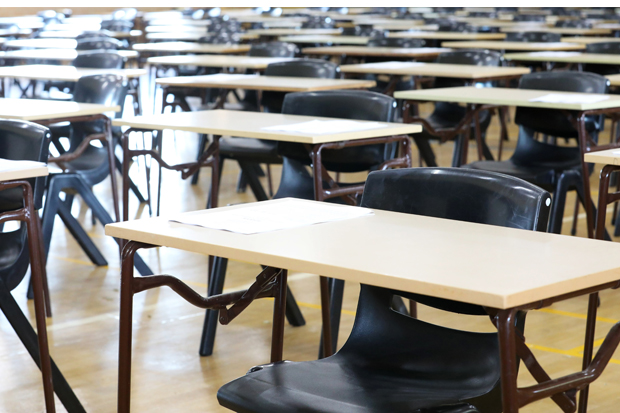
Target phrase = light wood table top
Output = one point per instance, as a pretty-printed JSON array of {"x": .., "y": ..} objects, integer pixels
[
  {"x": 191, "y": 47},
  {"x": 72, "y": 34},
  {"x": 218, "y": 61},
  {"x": 561, "y": 30},
  {"x": 502, "y": 45},
  {"x": 325, "y": 39},
  {"x": 448, "y": 35},
  {"x": 64, "y": 73},
  {"x": 614, "y": 80},
  {"x": 179, "y": 22},
  {"x": 520, "y": 267},
  {"x": 293, "y": 32},
  {"x": 65, "y": 55},
  {"x": 610, "y": 26},
  {"x": 405, "y": 25},
  {"x": 266, "y": 83},
  {"x": 412, "y": 52},
  {"x": 505, "y": 97},
  {"x": 565, "y": 57},
  {"x": 41, "y": 44},
  {"x": 435, "y": 70},
  {"x": 176, "y": 28},
  {"x": 606, "y": 157},
  {"x": 21, "y": 170},
  {"x": 38, "y": 109},
  {"x": 251, "y": 124},
  {"x": 191, "y": 36},
  {"x": 588, "y": 40},
  {"x": 19, "y": 33}
]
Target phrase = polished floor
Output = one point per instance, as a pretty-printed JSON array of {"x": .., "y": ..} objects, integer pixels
[{"x": 168, "y": 374}]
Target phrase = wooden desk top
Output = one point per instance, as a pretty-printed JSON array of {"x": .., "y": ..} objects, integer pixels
[
  {"x": 396, "y": 25},
  {"x": 505, "y": 97},
  {"x": 606, "y": 157},
  {"x": 520, "y": 267},
  {"x": 448, "y": 35},
  {"x": 413, "y": 52},
  {"x": 41, "y": 44},
  {"x": 251, "y": 124},
  {"x": 588, "y": 40},
  {"x": 565, "y": 57},
  {"x": 179, "y": 22},
  {"x": 65, "y": 55},
  {"x": 21, "y": 170},
  {"x": 561, "y": 30},
  {"x": 191, "y": 47},
  {"x": 501, "y": 45},
  {"x": 325, "y": 39},
  {"x": 434, "y": 69},
  {"x": 292, "y": 32},
  {"x": 614, "y": 80},
  {"x": 265, "y": 83},
  {"x": 38, "y": 109},
  {"x": 217, "y": 61},
  {"x": 64, "y": 73},
  {"x": 176, "y": 28},
  {"x": 19, "y": 33}
]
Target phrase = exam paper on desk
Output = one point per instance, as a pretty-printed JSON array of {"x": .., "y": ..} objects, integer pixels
[
  {"x": 289, "y": 213},
  {"x": 323, "y": 127},
  {"x": 569, "y": 98}
]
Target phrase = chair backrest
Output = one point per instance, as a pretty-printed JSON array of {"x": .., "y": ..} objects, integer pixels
[
  {"x": 577, "y": 24},
  {"x": 99, "y": 43},
  {"x": 272, "y": 101},
  {"x": 222, "y": 37},
  {"x": 344, "y": 104},
  {"x": 20, "y": 140},
  {"x": 529, "y": 18},
  {"x": 100, "y": 89},
  {"x": 99, "y": 59},
  {"x": 603, "y": 48},
  {"x": 545, "y": 37},
  {"x": 273, "y": 49},
  {"x": 117, "y": 25},
  {"x": 555, "y": 122},
  {"x": 460, "y": 194},
  {"x": 394, "y": 42}
]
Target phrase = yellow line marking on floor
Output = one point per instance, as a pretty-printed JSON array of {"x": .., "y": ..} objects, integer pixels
[
  {"x": 576, "y": 315},
  {"x": 76, "y": 261}
]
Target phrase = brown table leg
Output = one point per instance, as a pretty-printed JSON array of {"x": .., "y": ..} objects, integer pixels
[
  {"x": 508, "y": 359},
  {"x": 326, "y": 317},
  {"x": 279, "y": 315}
]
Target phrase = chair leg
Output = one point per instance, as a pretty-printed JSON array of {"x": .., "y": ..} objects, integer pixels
[
  {"x": 426, "y": 152},
  {"x": 293, "y": 313},
  {"x": 250, "y": 172},
  {"x": 558, "y": 204},
  {"x": 132, "y": 185},
  {"x": 216, "y": 286},
  {"x": 335, "y": 311},
  {"x": 221, "y": 168},
  {"x": 28, "y": 337},
  {"x": 573, "y": 229},
  {"x": 202, "y": 145}
]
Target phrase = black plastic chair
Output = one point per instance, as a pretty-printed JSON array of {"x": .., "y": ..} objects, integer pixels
[
  {"x": 251, "y": 152},
  {"x": 530, "y": 37},
  {"x": 603, "y": 48},
  {"x": 395, "y": 42},
  {"x": 446, "y": 116},
  {"x": 555, "y": 168},
  {"x": 85, "y": 171},
  {"x": 104, "y": 59},
  {"x": 117, "y": 25},
  {"x": 576, "y": 24},
  {"x": 392, "y": 362},
  {"x": 25, "y": 141},
  {"x": 99, "y": 43},
  {"x": 529, "y": 18},
  {"x": 363, "y": 30}
]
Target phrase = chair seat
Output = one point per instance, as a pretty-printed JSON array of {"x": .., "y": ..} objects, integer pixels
[
  {"x": 441, "y": 122},
  {"x": 248, "y": 149},
  {"x": 11, "y": 199},
  {"x": 344, "y": 388}
]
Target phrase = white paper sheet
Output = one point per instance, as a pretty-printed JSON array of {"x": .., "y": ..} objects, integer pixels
[
  {"x": 324, "y": 127},
  {"x": 394, "y": 65},
  {"x": 9, "y": 165},
  {"x": 289, "y": 213},
  {"x": 569, "y": 98}
]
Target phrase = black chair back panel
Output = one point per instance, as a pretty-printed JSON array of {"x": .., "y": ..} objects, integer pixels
[
  {"x": 395, "y": 42},
  {"x": 460, "y": 194},
  {"x": 344, "y": 104},
  {"x": 272, "y": 101},
  {"x": 532, "y": 153},
  {"x": 100, "y": 43},
  {"x": 545, "y": 37},
  {"x": 273, "y": 49},
  {"x": 554, "y": 122},
  {"x": 603, "y": 48},
  {"x": 99, "y": 59}
]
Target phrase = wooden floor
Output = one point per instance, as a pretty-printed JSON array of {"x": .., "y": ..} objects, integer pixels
[{"x": 168, "y": 374}]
